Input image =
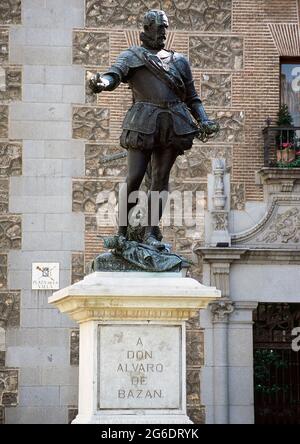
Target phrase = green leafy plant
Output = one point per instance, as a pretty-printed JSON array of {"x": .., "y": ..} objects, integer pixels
[
  {"x": 264, "y": 361},
  {"x": 285, "y": 119}
]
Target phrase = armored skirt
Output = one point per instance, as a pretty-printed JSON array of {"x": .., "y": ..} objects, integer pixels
[{"x": 148, "y": 127}]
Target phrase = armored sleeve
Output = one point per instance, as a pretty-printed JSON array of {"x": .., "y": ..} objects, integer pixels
[
  {"x": 121, "y": 68},
  {"x": 192, "y": 99}
]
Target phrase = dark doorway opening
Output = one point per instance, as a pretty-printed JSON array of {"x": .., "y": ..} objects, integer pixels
[{"x": 277, "y": 364}]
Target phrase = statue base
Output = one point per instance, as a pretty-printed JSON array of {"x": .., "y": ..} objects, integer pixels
[{"x": 132, "y": 351}]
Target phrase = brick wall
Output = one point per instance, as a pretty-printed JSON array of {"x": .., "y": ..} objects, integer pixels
[{"x": 234, "y": 55}]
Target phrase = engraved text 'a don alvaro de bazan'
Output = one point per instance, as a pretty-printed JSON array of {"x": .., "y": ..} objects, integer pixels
[{"x": 137, "y": 366}]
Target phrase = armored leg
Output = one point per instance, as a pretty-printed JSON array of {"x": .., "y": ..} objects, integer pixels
[
  {"x": 137, "y": 162},
  {"x": 162, "y": 162}
]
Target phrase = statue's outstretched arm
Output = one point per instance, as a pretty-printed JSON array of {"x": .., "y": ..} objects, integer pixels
[{"x": 104, "y": 82}]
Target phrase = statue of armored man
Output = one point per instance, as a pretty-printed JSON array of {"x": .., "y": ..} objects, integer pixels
[{"x": 166, "y": 115}]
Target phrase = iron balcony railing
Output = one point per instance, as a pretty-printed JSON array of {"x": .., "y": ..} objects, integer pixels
[{"x": 281, "y": 144}]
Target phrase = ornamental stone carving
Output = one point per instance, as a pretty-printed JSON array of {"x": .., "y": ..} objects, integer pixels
[
  {"x": 3, "y": 121},
  {"x": 220, "y": 221},
  {"x": 10, "y": 159},
  {"x": 90, "y": 123},
  {"x": 4, "y": 33},
  {"x": 2, "y": 356},
  {"x": 91, "y": 48},
  {"x": 102, "y": 160},
  {"x": 9, "y": 380},
  {"x": 72, "y": 413},
  {"x": 9, "y": 309},
  {"x": 197, "y": 162},
  {"x": 194, "y": 15},
  {"x": 10, "y": 231},
  {"x": 87, "y": 194},
  {"x": 2, "y": 415},
  {"x": 77, "y": 267},
  {"x": 194, "y": 348},
  {"x": 237, "y": 196},
  {"x": 216, "y": 90},
  {"x": 231, "y": 126},
  {"x": 74, "y": 347},
  {"x": 221, "y": 309},
  {"x": 285, "y": 228},
  {"x": 3, "y": 195},
  {"x": 10, "y": 12},
  {"x": 211, "y": 52},
  {"x": 280, "y": 226},
  {"x": 197, "y": 414},
  {"x": 219, "y": 198},
  {"x": 3, "y": 271},
  {"x": 12, "y": 90},
  {"x": 193, "y": 386},
  {"x": 90, "y": 223}
]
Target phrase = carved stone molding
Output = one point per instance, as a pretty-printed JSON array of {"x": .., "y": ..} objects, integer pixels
[
  {"x": 4, "y": 42},
  {"x": 214, "y": 52},
  {"x": 216, "y": 89},
  {"x": 279, "y": 180},
  {"x": 3, "y": 121},
  {"x": 13, "y": 85},
  {"x": 221, "y": 309},
  {"x": 4, "y": 195},
  {"x": 90, "y": 123},
  {"x": 9, "y": 309},
  {"x": 194, "y": 15},
  {"x": 101, "y": 160},
  {"x": 91, "y": 299},
  {"x": 3, "y": 271},
  {"x": 279, "y": 227},
  {"x": 91, "y": 48},
  {"x": 220, "y": 277},
  {"x": 237, "y": 196},
  {"x": 10, "y": 12},
  {"x": 77, "y": 267},
  {"x": 10, "y": 159},
  {"x": 9, "y": 381},
  {"x": 10, "y": 231},
  {"x": 74, "y": 347}
]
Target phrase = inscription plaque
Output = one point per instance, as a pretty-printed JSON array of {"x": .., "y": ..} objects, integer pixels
[{"x": 140, "y": 366}]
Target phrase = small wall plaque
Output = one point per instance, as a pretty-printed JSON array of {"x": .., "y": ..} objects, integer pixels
[{"x": 45, "y": 276}]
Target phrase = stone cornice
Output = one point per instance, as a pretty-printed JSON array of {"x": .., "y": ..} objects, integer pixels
[
  {"x": 133, "y": 296},
  {"x": 248, "y": 255},
  {"x": 275, "y": 175}
]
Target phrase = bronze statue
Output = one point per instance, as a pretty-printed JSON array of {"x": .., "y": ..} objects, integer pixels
[{"x": 159, "y": 126}]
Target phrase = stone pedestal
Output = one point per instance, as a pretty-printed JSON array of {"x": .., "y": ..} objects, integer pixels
[{"x": 132, "y": 344}]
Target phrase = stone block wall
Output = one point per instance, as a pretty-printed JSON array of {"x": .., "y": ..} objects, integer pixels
[
  {"x": 54, "y": 139},
  {"x": 10, "y": 221},
  {"x": 38, "y": 160}
]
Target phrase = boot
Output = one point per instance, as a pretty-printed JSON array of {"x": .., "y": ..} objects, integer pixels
[{"x": 153, "y": 237}]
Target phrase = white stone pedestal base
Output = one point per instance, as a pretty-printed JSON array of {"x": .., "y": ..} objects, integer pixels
[
  {"x": 132, "y": 351},
  {"x": 132, "y": 419}
]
